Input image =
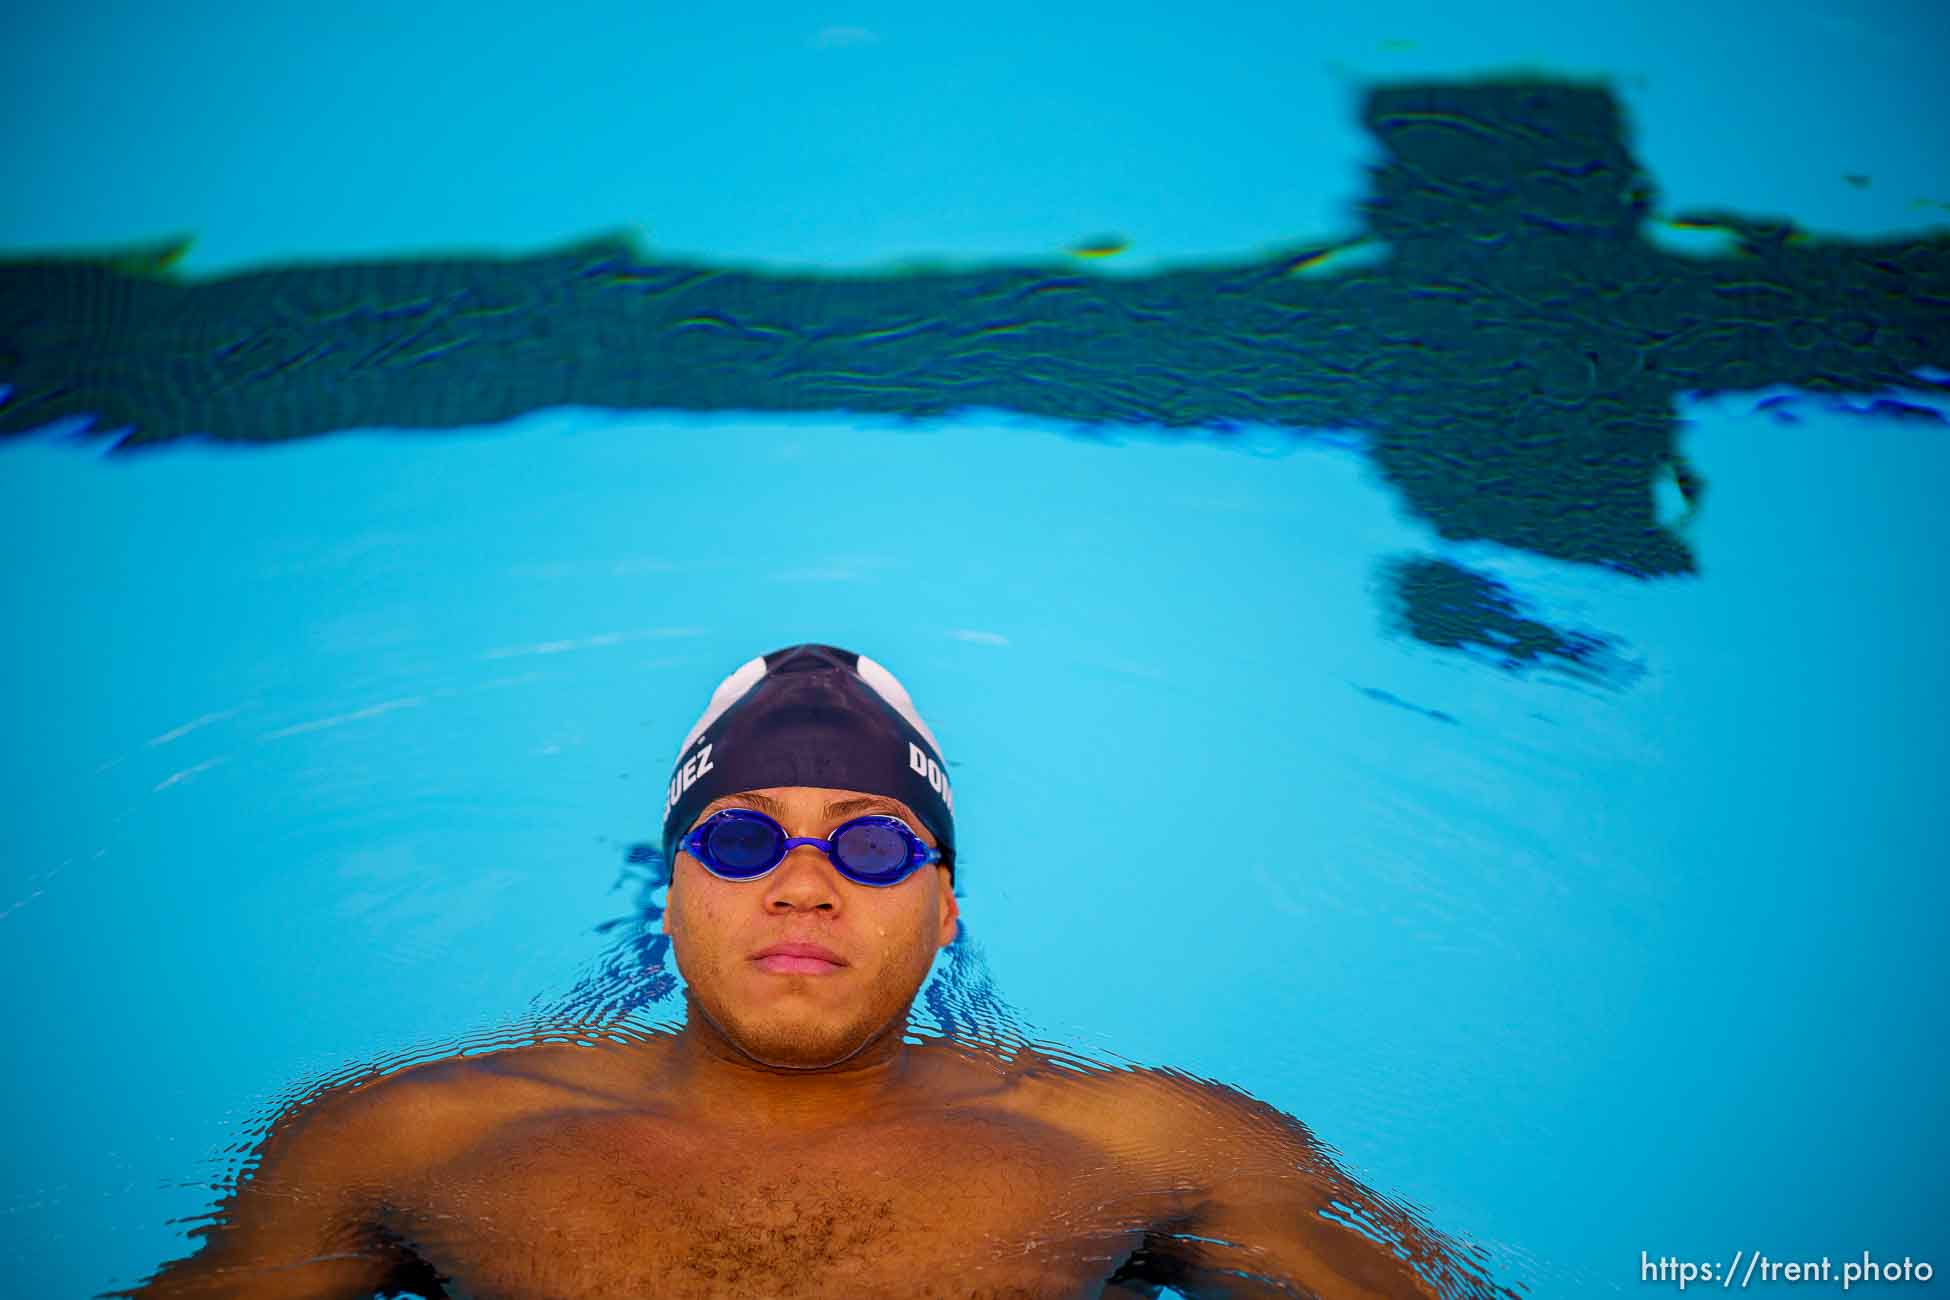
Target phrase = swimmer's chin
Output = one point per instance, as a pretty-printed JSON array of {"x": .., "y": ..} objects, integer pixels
[
  {"x": 788, "y": 1053},
  {"x": 800, "y": 1062}
]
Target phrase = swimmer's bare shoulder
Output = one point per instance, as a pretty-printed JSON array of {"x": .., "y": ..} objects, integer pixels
[
  {"x": 312, "y": 1218},
  {"x": 1261, "y": 1207},
  {"x": 308, "y": 1220}
]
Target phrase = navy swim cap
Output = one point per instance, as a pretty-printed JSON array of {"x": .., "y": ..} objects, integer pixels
[{"x": 812, "y": 715}]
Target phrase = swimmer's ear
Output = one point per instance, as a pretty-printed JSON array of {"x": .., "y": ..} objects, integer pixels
[{"x": 950, "y": 909}]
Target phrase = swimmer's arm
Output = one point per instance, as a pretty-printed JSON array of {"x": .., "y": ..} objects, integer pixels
[
  {"x": 305, "y": 1223},
  {"x": 1267, "y": 1213}
]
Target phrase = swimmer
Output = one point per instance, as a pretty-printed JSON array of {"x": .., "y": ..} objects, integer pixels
[{"x": 790, "y": 1139}]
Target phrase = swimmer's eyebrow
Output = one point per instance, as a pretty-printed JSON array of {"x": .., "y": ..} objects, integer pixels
[{"x": 837, "y": 808}]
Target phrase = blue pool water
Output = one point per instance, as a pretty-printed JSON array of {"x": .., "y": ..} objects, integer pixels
[{"x": 334, "y": 751}]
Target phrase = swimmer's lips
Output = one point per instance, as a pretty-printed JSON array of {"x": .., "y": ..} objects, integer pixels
[{"x": 798, "y": 959}]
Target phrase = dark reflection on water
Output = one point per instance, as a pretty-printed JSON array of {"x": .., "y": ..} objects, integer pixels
[{"x": 1513, "y": 361}]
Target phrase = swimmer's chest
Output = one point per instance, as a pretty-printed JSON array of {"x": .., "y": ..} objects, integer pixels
[{"x": 961, "y": 1205}]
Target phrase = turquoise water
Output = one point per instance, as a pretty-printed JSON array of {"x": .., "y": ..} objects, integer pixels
[{"x": 333, "y": 751}]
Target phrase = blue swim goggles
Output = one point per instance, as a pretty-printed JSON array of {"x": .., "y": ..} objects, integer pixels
[{"x": 740, "y": 844}]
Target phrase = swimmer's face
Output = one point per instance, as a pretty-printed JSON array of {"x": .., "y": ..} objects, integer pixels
[{"x": 885, "y": 938}]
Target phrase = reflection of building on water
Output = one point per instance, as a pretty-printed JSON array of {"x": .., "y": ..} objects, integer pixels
[{"x": 1504, "y": 326}]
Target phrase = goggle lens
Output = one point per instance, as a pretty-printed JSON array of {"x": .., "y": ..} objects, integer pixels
[
  {"x": 871, "y": 850},
  {"x": 743, "y": 845}
]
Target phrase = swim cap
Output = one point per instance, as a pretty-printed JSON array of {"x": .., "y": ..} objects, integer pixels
[{"x": 813, "y": 715}]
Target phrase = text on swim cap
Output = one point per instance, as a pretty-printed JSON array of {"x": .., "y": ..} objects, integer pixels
[
  {"x": 694, "y": 767},
  {"x": 930, "y": 772}
]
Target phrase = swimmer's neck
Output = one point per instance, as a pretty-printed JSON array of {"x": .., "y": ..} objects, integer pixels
[{"x": 711, "y": 1080}]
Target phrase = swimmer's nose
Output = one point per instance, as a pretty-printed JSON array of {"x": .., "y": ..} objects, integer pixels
[{"x": 804, "y": 878}]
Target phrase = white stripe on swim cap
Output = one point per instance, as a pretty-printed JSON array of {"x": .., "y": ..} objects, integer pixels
[
  {"x": 729, "y": 692},
  {"x": 895, "y": 694}
]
